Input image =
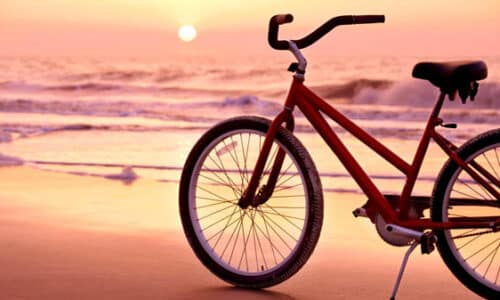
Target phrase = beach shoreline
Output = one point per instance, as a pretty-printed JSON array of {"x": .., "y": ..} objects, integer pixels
[{"x": 67, "y": 236}]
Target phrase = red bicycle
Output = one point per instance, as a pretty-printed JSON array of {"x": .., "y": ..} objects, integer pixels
[{"x": 251, "y": 200}]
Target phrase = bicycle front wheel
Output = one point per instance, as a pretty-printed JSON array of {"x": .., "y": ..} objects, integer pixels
[
  {"x": 253, "y": 247},
  {"x": 471, "y": 254}
]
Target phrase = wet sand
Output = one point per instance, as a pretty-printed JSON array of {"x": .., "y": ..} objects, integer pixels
[{"x": 74, "y": 237}]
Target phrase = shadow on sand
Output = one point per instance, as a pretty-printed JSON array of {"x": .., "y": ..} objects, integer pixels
[{"x": 228, "y": 292}]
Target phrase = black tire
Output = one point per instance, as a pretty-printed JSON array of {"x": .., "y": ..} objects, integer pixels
[
  {"x": 207, "y": 179},
  {"x": 471, "y": 254}
]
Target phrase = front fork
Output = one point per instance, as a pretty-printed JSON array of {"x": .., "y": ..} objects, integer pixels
[{"x": 251, "y": 196}]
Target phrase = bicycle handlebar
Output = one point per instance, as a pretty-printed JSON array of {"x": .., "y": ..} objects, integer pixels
[{"x": 316, "y": 34}]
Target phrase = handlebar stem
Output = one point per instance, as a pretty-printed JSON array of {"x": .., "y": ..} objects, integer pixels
[{"x": 301, "y": 70}]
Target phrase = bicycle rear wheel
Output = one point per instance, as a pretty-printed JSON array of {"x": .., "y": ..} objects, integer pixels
[
  {"x": 471, "y": 254},
  {"x": 259, "y": 246}
]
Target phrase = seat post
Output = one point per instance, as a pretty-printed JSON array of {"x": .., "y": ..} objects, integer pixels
[
  {"x": 438, "y": 106},
  {"x": 419, "y": 156}
]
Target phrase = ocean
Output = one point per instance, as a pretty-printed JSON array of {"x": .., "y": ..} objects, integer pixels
[{"x": 138, "y": 118}]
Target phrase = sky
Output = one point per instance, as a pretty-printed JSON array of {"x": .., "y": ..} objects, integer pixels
[{"x": 148, "y": 27}]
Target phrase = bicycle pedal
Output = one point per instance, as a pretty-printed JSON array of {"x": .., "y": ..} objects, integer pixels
[
  {"x": 449, "y": 125},
  {"x": 360, "y": 212},
  {"x": 427, "y": 242}
]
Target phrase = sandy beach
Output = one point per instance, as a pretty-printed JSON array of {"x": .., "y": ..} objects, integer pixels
[{"x": 77, "y": 237}]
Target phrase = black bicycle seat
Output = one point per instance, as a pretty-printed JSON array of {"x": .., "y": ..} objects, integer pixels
[{"x": 451, "y": 76}]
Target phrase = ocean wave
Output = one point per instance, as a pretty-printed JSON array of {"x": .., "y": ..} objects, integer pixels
[
  {"x": 350, "y": 89},
  {"x": 89, "y": 86},
  {"x": 158, "y": 110},
  {"x": 98, "y": 87},
  {"x": 21, "y": 86},
  {"x": 420, "y": 93},
  {"x": 200, "y": 114},
  {"x": 164, "y": 75},
  {"x": 412, "y": 93},
  {"x": 160, "y": 75},
  {"x": 244, "y": 102}
]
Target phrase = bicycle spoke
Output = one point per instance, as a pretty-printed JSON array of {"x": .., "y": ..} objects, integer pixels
[
  {"x": 467, "y": 195},
  {"x": 497, "y": 157},
  {"x": 491, "y": 261},
  {"x": 235, "y": 160},
  {"x": 260, "y": 245},
  {"x": 216, "y": 222},
  {"x": 284, "y": 231},
  {"x": 241, "y": 164},
  {"x": 236, "y": 192},
  {"x": 216, "y": 212},
  {"x": 217, "y": 200},
  {"x": 245, "y": 158},
  {"x": 483, "y": 248},
  {"x": 486, "y": 193},
  {"x": 268, "y": 238},
  {"x": 465, "y": 233},
  {"x": 211, "y": 193},
  {"x": 286, "y": 187},
  {"x": 214, "y": 204},
  {"x": 491, "y": 166},
  {"x": 285, "y": 217},
  {"x": 252, "y": 229},
  {"x": 244, "y": 251},
  {"x": 216, "y": 182},
  {"x": 230, "y": 181},
  {"x": 467, "y": 185},
  {"x": 271, "y": 159},
  {"x": 231, "y": 237},
  {"x": 218, "y": 177},
  {"x": 247, "y": 165},
  {"x": 257, "y": 241},
  {"x": 221, "y": 232},
  {"x": 275, "y": 232},
  {"x": 469, "y": 242},
  {"x": 290, "y": 176},
  {"x": 285, "y": 172}
]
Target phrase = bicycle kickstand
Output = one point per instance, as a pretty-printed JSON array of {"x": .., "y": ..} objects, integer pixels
[
  {"x": 402, "y": 268},
  {"x": 427, "y": 242}
]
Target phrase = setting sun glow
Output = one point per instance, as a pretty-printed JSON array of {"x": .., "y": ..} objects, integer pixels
[{"x": 187, "y": 33}]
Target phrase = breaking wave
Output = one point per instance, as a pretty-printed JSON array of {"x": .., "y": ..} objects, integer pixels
[
  {"x": 351, "y": 88},
  {"x": 421, "y": 93}
]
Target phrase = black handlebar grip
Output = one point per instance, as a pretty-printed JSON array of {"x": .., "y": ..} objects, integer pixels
[
  {"x": 282, "y": 19},
  {"x": 368, "y": 19},
  {"x": 274, "y": 24}
]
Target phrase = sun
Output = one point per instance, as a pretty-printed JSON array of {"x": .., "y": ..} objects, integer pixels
[{"x": 187, "y": 33}]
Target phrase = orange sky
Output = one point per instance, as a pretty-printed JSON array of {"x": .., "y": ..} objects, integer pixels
[{"x": 148, "y": 27}]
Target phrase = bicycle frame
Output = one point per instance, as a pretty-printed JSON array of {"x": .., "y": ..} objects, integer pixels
[{"x": 311, "y": 105}]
